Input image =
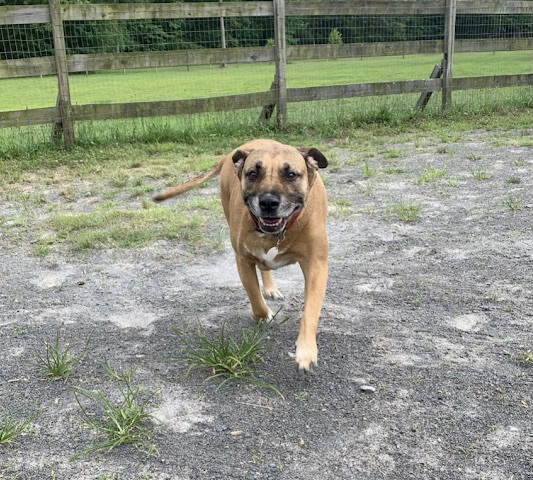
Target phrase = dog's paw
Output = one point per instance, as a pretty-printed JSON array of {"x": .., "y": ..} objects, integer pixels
[
  {"x": 273, "y": 293},
  {"x": 269, "y": 315},
  {"x": 306, "y": 357}
]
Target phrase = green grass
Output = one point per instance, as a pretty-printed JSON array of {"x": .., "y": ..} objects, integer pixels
[
  {"x": 526, "y": 358},
  {"x": 394, "y": 170},
  {"x": 480, "y": 174},
  {"x": 121, "y": 419},
  {"x": 367, "y": 170},
  {"x": 341, "y": 207},
  {"x": 392, "y": 153},
  {"x": 12, "y": 427},
  {"x": 228, "y": 358},
  {"x": 195, "y": 142},
  {"x": 203, "y": 81},
  {"x": 431, "y": 175},
  {"x": 513, "y": 203},
  {"x": 105, "y": 184},
  {"x": 513, "y": 180},
  {"x": 217, "y": 132},
  {"x": 58, "y": 361},
  {"x": 118, "y": 227},
  {"x": 405, "y": 211}
]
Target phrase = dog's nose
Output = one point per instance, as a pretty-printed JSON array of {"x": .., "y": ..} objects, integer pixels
[{"x": 268, "y": 203}]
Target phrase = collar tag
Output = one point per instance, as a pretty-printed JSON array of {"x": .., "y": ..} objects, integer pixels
[{"x": 271, "y": 254}]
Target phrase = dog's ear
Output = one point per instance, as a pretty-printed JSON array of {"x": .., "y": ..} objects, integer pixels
[
  {"x": 314, "y": 158},
  {"x": 238, "y": 160}
]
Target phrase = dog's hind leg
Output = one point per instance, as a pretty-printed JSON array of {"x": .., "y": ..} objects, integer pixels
[
  {"x": 250, "y": 282},
  {"x": 269, "y": 287}
]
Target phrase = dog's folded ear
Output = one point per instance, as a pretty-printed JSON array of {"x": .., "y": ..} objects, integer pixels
[
  {"x": 314, "y": 157},
  {"x": 238, "y": 160}
]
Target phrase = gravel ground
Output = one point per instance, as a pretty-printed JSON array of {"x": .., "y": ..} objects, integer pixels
[{"x": 425, "y": 367}]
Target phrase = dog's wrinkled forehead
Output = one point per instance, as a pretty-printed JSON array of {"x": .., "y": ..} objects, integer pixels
[
  {"x": 270, "y": 163},
  {"x": 282, "y": 161},
  {"x": 272, "y": 160}
]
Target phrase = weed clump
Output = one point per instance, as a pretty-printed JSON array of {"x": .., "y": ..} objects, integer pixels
[
  {"x": 228, "y": 358},
  {"x": 11, "y": 426},
  {"x": 117, "y": 422}
]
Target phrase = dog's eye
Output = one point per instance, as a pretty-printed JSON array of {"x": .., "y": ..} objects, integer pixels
[
  {"x": 251, "y": 175},
  {"x": 290, "y": 175}
]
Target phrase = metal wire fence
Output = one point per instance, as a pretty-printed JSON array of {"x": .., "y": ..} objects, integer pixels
[{"x": 161, "y": 59}]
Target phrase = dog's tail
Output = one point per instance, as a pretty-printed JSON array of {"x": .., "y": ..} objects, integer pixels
[{"x": 193, "y": 183}]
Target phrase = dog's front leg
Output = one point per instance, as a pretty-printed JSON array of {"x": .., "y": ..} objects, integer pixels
[
  {"x": 269, "y": 286},
  {"x": 316, "y": 278},
  {"x": 248, "y": 274}
]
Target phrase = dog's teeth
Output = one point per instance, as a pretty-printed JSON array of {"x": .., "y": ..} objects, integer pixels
[{"x": 272, "y": 222}]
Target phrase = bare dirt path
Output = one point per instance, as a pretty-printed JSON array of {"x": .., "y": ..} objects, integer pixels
[{"x": 429, "y": 302}]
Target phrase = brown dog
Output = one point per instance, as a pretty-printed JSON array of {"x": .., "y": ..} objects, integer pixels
[{"x": 275, "y": 205}]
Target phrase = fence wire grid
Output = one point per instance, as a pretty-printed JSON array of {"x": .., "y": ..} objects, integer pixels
[{"x": 166, "y": 37}]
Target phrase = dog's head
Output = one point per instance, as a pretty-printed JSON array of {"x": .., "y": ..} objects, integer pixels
[{"x": 276, "y": 181}]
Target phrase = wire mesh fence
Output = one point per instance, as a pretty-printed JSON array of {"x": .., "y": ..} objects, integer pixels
[{"x": 132, "y": 60}]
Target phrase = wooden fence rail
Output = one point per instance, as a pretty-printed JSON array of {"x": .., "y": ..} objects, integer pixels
[{"x": 64, "y": 114}]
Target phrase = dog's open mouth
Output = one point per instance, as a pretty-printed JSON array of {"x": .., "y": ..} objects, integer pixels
[
  {"x": 271, "y": 225},
  {"x": 275, "y": 224}
]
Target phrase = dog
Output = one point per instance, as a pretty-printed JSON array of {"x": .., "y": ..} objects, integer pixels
[{"x": 275, "y": 205}]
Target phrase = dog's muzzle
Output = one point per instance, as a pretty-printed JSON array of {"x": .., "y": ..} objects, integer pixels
[{"x": 272, "y": 216}]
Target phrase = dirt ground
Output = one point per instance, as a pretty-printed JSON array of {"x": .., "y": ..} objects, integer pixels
[{"x": 436, "y": 314}]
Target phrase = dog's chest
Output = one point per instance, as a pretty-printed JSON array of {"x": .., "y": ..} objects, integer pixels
[{"x": 271, "y": 259}]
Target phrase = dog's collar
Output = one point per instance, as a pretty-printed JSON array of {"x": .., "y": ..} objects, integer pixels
[
  {"x": 292, "y": 219},
  {"x": 289, "y": 223}
]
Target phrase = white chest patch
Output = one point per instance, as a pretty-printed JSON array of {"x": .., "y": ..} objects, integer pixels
[
  {"x": 270, "y": 258},
  {"x": 271, "y": 254}
]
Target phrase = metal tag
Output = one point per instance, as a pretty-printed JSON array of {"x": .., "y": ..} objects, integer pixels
[{"x": 271, "y": 254}]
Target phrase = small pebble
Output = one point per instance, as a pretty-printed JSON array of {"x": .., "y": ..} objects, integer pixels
[{"x": 367, "y": 388}]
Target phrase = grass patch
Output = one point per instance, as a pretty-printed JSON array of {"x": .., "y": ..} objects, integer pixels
[
  {"x": 134, "y": 85},
  {"x": 513, "y": 203},
  {"x": 341, "y": 207},
  {"x": 526, "y": 358},
  {"x": 392, "y": 153},
  {"x": 11, "y": 426},
  {"x": 474, "y": 157},
  {"x": 394, "y": 170},
  {"x": 141, "y": 191},
  {"x": 480, "y": 174},
  {"x": 406, "y": 212},
  {"x": 513, "y": 180},
  {"x": 123, "y": 421},
  {"x": 58, "y": 361},
  {"x": 227, "y": 358},
  {"x": 115, "y": 227},
  {"x": 43, "y": 246},
  {"x": 431, "y": 175},
  {"x": 368, "y": 171},
  {"x": 166, "y": 148}
]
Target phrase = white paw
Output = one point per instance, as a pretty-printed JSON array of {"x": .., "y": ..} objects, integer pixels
[
  {"x": 273, "y": 293},
  {"x": 269, "y": 316},
  {"x": 306, "y": 355}
]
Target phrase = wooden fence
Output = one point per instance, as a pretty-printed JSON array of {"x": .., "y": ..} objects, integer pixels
[{"x": 63, "y": 115}]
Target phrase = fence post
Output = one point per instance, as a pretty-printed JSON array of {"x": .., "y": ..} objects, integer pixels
[
  {"x": 64, "y": 124},
  {"x": 425, "y": 96},
  {"x": 449, "y": 46},
  {"x": 222, "y": 30},
  {"x": 222, "y": 34},
  {"x": 280, "y": 53}
]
